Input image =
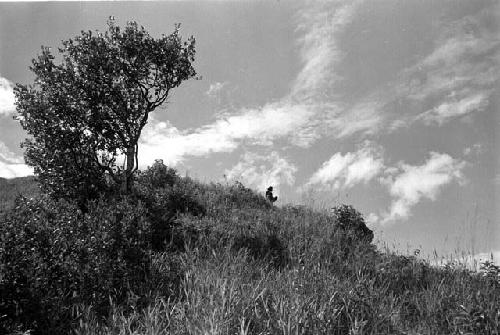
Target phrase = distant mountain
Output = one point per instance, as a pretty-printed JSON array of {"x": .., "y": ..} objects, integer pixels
[{"x": 11, "y": 188}]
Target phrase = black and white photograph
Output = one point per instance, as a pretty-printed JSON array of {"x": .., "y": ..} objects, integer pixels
[{"x": 248, "y": 167}]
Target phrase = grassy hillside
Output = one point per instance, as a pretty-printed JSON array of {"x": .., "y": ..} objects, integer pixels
[{"x": 182, "y": 257}]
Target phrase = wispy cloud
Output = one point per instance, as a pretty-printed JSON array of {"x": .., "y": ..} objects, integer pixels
[
  {"x": 461, "y": 73},
  {"x": 455, "y": 79},
  {"x": 7, "y": 99},
  {"x": 261, "y": 171},
  {"x": 455, "y": 108},
  {"x": 7, "y": 155},
  {"x": 300, "y": 117},
  {"x": 409, "y": 184},
  {"x": 320, "y": 24},
  {"x": 364, "y": 117},
  {"x": 350, "y": 169},
  {"x": 11, "y": 165},
  {"x": 252, "y": 127}
]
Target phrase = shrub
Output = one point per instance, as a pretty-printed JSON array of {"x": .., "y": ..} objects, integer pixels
[
  {"x": 220, "y": 198},
  {"x": 158, "y": 176},
  {"x": 53, "y": 256},
  {"x": 353, "y": 224},
  {"x": 166, "y": 195}
]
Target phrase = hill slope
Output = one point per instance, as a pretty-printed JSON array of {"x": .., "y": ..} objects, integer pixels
[{"x": 181, "y": 257}]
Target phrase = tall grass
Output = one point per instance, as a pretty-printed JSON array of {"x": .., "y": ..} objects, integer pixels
[{"x": 242, "y": 266}]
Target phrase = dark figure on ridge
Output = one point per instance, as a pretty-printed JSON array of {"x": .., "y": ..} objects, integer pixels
[{"x": 269, "y": 195}]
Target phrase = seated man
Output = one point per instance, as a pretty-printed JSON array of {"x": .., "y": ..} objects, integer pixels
[{"x": 269, "y": 195}]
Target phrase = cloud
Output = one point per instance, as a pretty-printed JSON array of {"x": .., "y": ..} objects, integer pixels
[
  {"x": 11, "y": 165},
  {"x": 253, "y": 127},
  {"x": 320, "y": 23},
  {"x": 453, "y": 109},
  {"x": 9, "y": 156},
  {"x": 464, "y": 66},
  {"x": 346, "y": 171},
  {"x": 8, "y": 170},
  {"x": 408, "y": 184},
  {"x": 7, "y": 98},
  {"x": 363, "y": 117},
  {"x": 300, "y": 117},
  {"x": 261, "y": 171},
  {"x": 456, "y": 78}
]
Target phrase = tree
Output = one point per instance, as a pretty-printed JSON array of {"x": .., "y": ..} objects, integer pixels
[{"x": 85, "y": 113}]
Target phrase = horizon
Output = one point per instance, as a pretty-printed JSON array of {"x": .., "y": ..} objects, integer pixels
[{"x": 391, "y": 107}]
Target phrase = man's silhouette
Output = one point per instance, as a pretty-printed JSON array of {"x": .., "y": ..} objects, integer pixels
[{"x": 269, "y": 195}]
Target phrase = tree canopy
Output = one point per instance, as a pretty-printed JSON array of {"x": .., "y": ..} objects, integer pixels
[{"x": 86, "y": 112}]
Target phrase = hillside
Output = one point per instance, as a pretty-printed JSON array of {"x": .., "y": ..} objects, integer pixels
[{"x": 183, "y": 257}]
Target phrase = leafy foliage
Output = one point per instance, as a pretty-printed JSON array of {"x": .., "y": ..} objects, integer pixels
[
  {"x": 85, "y": 112},
  {"x": 53, "y": 256},
  {"x": 166, "y": 195},
  {"x": 229, "y": 263},
  {"x": 349, "y": 219}
]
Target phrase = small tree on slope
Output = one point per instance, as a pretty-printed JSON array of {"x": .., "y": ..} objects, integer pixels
[{"x": 89, "y": 110}]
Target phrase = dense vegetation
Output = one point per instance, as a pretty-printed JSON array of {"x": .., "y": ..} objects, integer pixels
[
  {"x": 180, "y": 257},
  {"x": 88, "y": 104}
]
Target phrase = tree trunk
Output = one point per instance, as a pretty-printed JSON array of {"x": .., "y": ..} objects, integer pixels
[{"x": 128, "y": 176}]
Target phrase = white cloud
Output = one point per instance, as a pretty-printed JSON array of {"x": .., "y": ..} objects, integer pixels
[
  {"x": 7, "y": 98},
  {"x": 345, "y": 171},
  {"x": 300, "y": 117},
  {"x": 254, "y": 127},
  {"x": 320, "y": 22},
  {"x": 364, "y": 118},
  {"x": 458, "y": 108},
  {"x": 411, "y": 184},
  {"x": 262, "y": 171},
  {"x": 9, "y": 156},
  {"x": 11, "y": 165},
  {"x": 9, "y": 170},
  {"x": 461, "y": 72},
  {"x": 455, "y": 79}
]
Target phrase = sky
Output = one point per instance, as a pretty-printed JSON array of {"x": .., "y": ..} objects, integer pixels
[{"x": 390, "y": 106}]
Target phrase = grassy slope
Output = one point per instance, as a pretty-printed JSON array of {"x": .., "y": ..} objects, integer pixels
[{"x": 255, "y": 269}]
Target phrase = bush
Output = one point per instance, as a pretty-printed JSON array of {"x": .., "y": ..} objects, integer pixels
[
  {"x": 221, "y": 198},
  {"x": 157, "y": 176},
  {"x": 353, "y": 224},
  {"x": 166, "y": 195},
  {"x": 53, "y": 257}
]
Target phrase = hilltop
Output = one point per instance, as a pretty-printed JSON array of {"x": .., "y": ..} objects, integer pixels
[{"x": 183, "y": 257}]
